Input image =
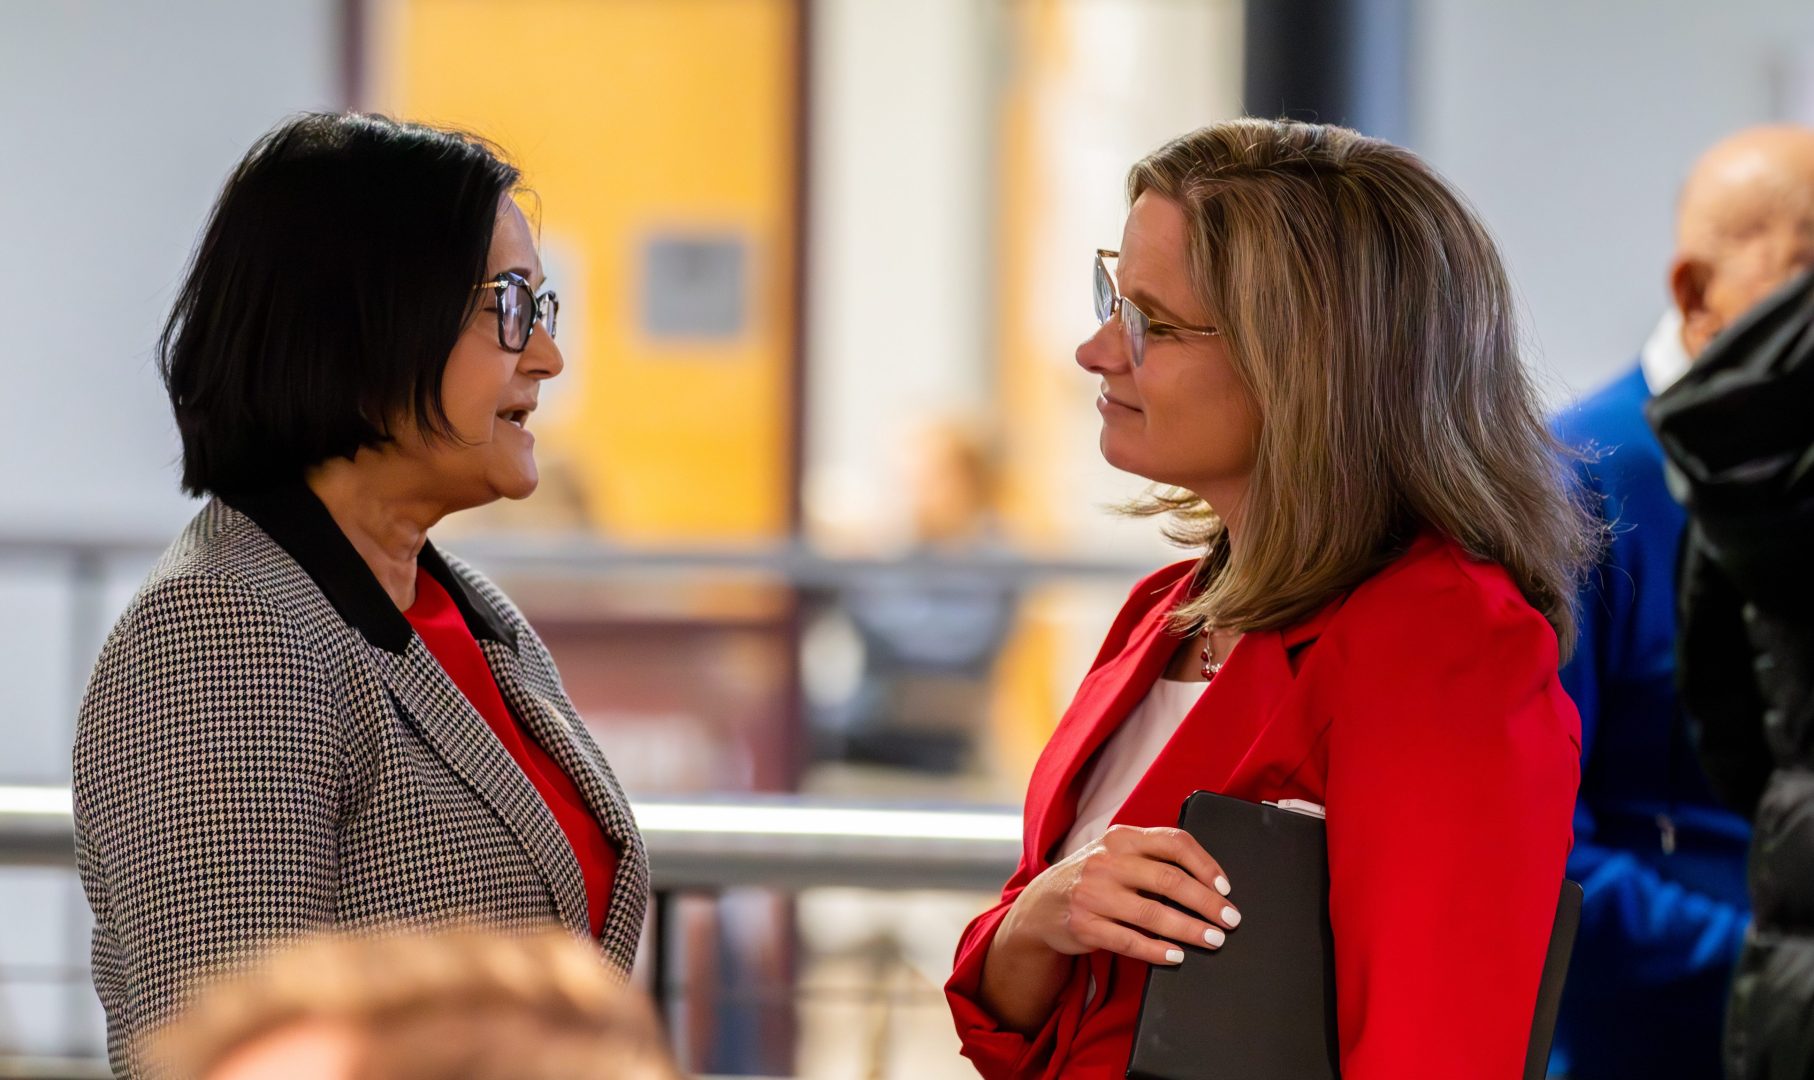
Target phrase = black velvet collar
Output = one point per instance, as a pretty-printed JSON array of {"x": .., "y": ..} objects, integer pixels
[{"x": 302, "y": 526}]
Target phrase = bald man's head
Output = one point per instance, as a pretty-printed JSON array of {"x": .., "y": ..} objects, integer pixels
[{"x": 1745, "y": 226}]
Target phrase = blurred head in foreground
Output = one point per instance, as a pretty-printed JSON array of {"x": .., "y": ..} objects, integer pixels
[{"x": 463, "y": 1005}]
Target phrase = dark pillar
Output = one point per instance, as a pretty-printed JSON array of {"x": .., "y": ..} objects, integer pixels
[{"x": 1331, "y": 61}]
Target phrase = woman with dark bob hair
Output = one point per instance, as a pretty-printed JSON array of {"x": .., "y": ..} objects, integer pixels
[
  {"x": 1307, "y": 342},
  {"x": 309, "y": 718}
]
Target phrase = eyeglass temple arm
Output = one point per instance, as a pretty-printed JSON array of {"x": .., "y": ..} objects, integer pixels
[{"x": 1213, "y": 331}]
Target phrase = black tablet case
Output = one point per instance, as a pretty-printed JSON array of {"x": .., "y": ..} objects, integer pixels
[{"x": 1263, "y": 1006}]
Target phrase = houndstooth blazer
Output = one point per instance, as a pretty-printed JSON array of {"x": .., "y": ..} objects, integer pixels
[{"x": 266, "y": 748}]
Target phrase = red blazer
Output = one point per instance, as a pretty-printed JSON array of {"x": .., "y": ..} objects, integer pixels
[{"x": 1423, "y": 710}]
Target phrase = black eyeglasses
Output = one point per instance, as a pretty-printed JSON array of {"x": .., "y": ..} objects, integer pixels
[
  {"x": 519, "y": 309},
  {"x": 1134, "y": 322}
]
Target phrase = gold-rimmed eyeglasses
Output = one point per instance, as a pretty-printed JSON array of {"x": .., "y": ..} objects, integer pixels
[{"x": 1136, "y": 324}]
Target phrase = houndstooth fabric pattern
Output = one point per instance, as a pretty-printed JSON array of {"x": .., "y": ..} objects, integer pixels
[{"x": 249, "y": 767}]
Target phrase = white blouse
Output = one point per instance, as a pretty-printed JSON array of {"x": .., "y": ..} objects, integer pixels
[{"x": 1127, "y": 756}]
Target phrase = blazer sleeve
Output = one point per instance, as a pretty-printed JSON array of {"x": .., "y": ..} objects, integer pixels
[
  {"x": 1452, "y": 771},
  {"x": 997, "y": 1052},
  {"x": 206, "y": 787}
]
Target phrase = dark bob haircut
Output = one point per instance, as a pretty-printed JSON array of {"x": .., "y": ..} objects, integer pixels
[{"x": 330, "y": 286}]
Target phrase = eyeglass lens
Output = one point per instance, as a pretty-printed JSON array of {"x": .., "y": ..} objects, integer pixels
[
  {"x": 518, "y": 309},
  {"x": 1105, "y": 292},
  {"x": 1133, "y": 321},
  {"x": 515, "y": 315}
]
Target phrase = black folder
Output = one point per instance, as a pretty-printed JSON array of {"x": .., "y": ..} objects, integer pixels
[{"x": 1263, "y": 1006}]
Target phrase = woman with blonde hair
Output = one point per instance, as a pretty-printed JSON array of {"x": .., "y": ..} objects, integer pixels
[{"x": 1308, "y": 344}]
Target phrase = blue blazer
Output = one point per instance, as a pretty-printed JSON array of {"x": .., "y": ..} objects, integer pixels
[{"x": 1661, "y": 861}]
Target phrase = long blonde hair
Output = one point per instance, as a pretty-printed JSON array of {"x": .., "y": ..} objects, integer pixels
[{"x": 1367, "y": 311}]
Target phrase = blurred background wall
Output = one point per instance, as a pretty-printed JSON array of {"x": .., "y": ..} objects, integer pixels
[
  {"x": 1571, "y": 127},
  {"x": 823, "y": 270}
]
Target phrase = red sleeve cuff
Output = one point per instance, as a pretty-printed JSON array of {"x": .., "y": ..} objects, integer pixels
[{"x": 997, "y": 1053}]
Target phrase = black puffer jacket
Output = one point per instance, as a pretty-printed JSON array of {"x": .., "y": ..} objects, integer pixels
[{"x": 1739, "y": 434}]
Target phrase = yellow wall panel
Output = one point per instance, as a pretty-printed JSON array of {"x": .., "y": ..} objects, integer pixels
[{"x": 634, "y": 119}]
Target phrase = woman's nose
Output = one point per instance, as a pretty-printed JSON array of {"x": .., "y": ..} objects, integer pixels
[
  {"x": 1105, "y": 351},
  {"x": 542, "y": 359}
]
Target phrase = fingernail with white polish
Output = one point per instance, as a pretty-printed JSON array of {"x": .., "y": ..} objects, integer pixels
[
  {"x": 1231, "y": 916},
  {"x": 1215, "y": 937},
  {"x": 1174, "y": 956},
  {"x": 1222, "y": 885}
]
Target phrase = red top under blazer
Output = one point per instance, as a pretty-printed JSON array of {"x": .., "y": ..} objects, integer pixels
[
  {"x": 441, "y": 626},
  {"x": 1423, "y": 710}
]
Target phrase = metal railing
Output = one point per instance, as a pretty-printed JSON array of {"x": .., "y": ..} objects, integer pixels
[{"x": 781, "y": 842}]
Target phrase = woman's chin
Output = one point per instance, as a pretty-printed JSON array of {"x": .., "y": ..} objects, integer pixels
[
  {"x": 517, "y": 480},
  {"x": 1117, "y": 455},
  {"x": 520, "y": 486}
]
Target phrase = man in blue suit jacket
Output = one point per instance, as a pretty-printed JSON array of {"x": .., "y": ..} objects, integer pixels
[{"x": 1662, "y": 863}]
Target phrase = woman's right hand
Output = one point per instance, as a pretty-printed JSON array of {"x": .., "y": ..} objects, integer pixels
[{"x": 1107, "y": 896}]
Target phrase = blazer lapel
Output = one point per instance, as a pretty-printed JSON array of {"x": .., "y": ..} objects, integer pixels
[
  {"x": 1218, "y": 735},
  {"x": 1103, "y": 701},
  {"x": 554, "y": 728},
  {"x": 1239, "y": 739},
  {"x": 296, "y": 519},
  {"x": 457, "y": 732}
]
